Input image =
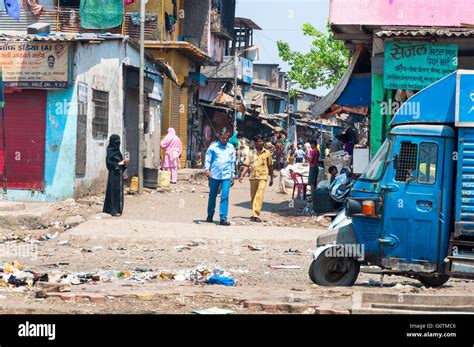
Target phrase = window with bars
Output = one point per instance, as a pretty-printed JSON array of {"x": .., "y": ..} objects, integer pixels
[
  {"x": 100, "y": 122},
  {"x": 406, "y": 161}
]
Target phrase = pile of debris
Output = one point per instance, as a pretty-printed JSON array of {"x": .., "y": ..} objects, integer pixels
[
  {"x": 14, "y": 275},
  {"x": 10, "y": 238}
]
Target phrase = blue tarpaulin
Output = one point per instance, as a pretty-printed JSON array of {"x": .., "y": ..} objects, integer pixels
[{"x": 357, "y": 92}]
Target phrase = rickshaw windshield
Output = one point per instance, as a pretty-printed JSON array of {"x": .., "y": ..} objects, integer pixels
[{"x": 376, "y": 167}]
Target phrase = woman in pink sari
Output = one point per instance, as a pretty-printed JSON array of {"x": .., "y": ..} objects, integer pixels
[{"x": 173, "y": 148}]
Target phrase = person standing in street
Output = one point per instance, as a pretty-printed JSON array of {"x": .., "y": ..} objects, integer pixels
[
  {"x": 313, "y": 159},
  {"x": 299, "y": 154},
  {"x": 116, "y": 165},
  {"x": 260, "y": 164},
  {"x": 173, "y": 148},
  {"x": 220, "y": 169}
]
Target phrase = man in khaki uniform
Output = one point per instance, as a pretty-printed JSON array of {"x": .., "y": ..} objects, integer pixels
[{"x": 260, "y": 164}]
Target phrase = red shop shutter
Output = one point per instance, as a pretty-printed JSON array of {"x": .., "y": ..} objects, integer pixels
[{"x": 25, "y": 125}]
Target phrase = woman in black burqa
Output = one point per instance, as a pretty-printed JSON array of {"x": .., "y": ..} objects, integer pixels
[{"x": 116, "y": 165}]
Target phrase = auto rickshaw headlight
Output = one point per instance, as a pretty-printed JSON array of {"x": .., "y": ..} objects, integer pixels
[{"x": 368, "y": 208}]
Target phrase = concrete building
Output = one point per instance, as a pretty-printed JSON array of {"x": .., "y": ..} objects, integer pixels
[
  {"x": 437, "y": 37},
  {"x": 65, "y": 94},
  {"x": 190, "y": 34}
]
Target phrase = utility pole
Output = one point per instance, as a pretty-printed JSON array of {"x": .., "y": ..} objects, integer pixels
[
  {"x": 235, "y": 89},
  {"x": 289, "y": 109},
  {"x": 141, "y": 106}
]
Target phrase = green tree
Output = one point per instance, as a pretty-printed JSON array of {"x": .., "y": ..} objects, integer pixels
[{"x": 322, "y": 66}]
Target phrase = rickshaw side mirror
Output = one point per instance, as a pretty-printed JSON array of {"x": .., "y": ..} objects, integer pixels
[
  {"x": 395, "y": 162},
  {"x": 410, "y": 176}
]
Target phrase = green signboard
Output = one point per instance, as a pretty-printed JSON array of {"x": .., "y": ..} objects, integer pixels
[{"x": 416, "y": 65}]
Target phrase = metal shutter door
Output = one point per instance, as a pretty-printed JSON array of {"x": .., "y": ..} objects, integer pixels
[
  {"x": 132, "y": 131},
  {"x": 25, "y": 124}
]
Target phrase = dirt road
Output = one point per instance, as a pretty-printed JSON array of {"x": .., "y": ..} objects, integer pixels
[{"x": 164, "y": 233}]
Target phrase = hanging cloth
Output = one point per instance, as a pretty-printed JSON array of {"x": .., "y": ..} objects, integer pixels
[
  {"x": 167, "y": 22},
  {"x": 13, "y": 8},
  {"x": 101, "y": 14},
  {"x": 128, "y": 2},
  {"x": 33, "y": 6}
]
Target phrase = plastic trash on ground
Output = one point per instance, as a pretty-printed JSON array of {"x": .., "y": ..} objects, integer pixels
[{"x": 225, "y": 281}]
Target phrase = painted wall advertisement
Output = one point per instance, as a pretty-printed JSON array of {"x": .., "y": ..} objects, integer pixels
[
  {"x": 34, "y": 64},
  {"x": 416, "y": 65}
]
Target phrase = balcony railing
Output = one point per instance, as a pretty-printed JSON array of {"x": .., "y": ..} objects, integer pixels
[{"x": 67, "y": 19}]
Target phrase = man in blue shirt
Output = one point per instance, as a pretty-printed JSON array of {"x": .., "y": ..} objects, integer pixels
[{"x": 220, "y": 168}]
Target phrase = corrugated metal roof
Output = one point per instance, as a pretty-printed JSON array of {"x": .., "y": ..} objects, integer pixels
[
  {"x": 8, "y": 23},
  {"x": 422, "y": 31},
  {"x": 59, "y": 37}
]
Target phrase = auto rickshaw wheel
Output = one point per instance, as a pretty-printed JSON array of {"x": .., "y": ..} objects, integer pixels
[
  {"x": 334, "y": 271},
  {"x": 433, "y": 281}
]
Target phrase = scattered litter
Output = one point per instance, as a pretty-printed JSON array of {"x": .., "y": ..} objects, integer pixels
[
  {"x": 46, "y": 237},
  {"x": 212, "y": 310},
  {"x": 293, "y": 251},
  {"x": 56, "y": 225},
  {"x": 71, "y": 279},
  {"x": 193, "y": 190},
  {"x": 192, "y": 244},
  {"x": 63, "y": 243},
  {"x": 167, "y": 276},
  {"x": 13, "y": 267},
  {"x": 20, "y": 278},
  {"x": 255, "y": 248},
  {"x": 282, "y": 266},
  {"x": 373, "y": 283},
  {"x": 225, "y": 281},
  {"x": 182, "y": 248},
  {"x": 73, "y": 221}
]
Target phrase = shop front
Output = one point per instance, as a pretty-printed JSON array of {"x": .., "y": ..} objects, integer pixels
[{"x": 32, "y": 73}]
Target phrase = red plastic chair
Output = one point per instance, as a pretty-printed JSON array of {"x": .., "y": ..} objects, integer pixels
[{"x": 298, "y": 183}]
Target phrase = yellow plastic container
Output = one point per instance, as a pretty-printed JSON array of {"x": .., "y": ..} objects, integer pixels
[
  {"x": 134, "y": 184},
  {"x": 164, "y": 178}
]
